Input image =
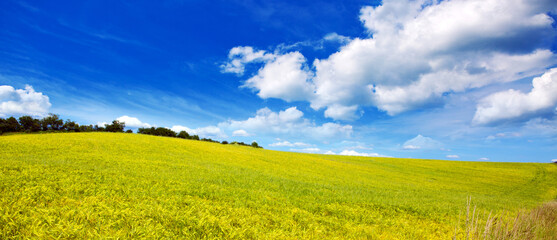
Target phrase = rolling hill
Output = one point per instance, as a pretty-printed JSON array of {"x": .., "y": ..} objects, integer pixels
[{"x": 91, "y": 185}]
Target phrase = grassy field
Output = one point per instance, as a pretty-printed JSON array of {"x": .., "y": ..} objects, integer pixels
[{"x": 92, "y": 185}]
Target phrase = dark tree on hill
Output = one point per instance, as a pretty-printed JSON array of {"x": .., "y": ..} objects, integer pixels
[
  {"x": 86, "y": 128},
  {"x": 129, "y": 131},
  {"x": 116, "y": 126},
  {"x": 254, "y": 144},
  {"x": 3, "y": 127},
  {"x": 12, "y": 125},
  {"x": 184, "y": 135},
  {"x": 224, "y": 142},
  {"x": 29, "y": 124},
  {"x": 195, "y": 137},
  {"x": 52, "y": 122},
  {"x": 160, "y": 131},
  {"x": 71, "y": 126},
  {"x": 165, "y": 132}
]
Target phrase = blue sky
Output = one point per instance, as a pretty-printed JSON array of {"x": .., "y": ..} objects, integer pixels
[{"x": 460, "y": 80}]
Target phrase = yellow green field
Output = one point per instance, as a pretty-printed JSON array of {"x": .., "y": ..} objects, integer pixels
[{"x": 116, "y": 185}]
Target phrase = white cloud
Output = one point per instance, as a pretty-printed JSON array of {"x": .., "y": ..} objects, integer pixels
[
  {"x": 289, "y": 144},
  {"x": 503, "y": 135},
  {"x": 204, "y": 132},
  {"x": 335, "y": 37},
  {"x": 421, "y": 142},
  {"x": 133, "y": 122},
  {"x": 453, "y": 156},
  {"x": 289, "y": 121},
  {"x": 513, "y": 104},
  {"x": 411, "y": 147},
  {"x": 542, "y": 126},
  {"x": 417, "y": 53},
  {"x": 483, "y": 159},
  {"x": 282, "y": 77},
  {"x": 330, "y": 152},
  {"x": 354, "y": 153},
  {"x": 14, "y": 102},
  {"x": 306, "y": 150},
  {"x": 554, "y": 160},
  {"x": 240, "y": 133},
  {"x": 342, "y": 112},
  {"x": 239, "y": 56}
]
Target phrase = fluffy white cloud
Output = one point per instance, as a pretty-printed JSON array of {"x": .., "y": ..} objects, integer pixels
[
  {"x": 453, "y": 156},
  {"x": 133, "y": 122},
  {"x": 289, "y": 144},
  {"x": 239, "y": 56},
  {"x": 22, "y": 101},
  {"x": 207, "y": 132},
  {"x": 340, "y": 112},
  {"x": 483, "y": 159},
  {"x": 514, "y": 104},
  {"x": 282, "y": 77},
  {"x": 421, "y": 142},
  {"x": 417, "y": 53},
  {"x": 289, "y": 121},
  {"x": 240, "y": 133},
  {"x": 554, "y": 160}
]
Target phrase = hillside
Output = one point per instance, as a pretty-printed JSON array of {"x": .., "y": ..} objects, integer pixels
[{"x": 76, "y": 185}]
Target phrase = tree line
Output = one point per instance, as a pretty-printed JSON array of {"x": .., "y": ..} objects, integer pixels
[
  {"x": 161, "y": 131},
  {"x": 53, "y": 123}
]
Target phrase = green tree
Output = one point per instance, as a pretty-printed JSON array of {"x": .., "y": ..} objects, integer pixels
[
  {"x": 71, "y": 126},
  {"x": 29, "y": 124},
  {"x": 184, "y": 135},
  {"x": 116, "y": 126},
  {"x": 52, "y": 122},
  {"x": 12, "y": 125}
]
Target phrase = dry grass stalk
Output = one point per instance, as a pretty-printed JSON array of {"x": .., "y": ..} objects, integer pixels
[{"x": 538, "y": 223}]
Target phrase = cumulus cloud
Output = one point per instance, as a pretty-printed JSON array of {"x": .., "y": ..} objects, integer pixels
[
  {"x": 453, "y": 156},
  {"x": 240, "y": 133},
  {"x": 14, "y": 102},
  {"x": 417, "y": 52},
  {"x": 483, "y": 159},
  {"x": 421, "y": 142},
  {"x": 207, "y": 132},
  {"x": 133, "y": 122},
  {"x": 554, "y": 160},
  {"x": 289, "y": 144},
  {"x": 282, "y": 77},
  {"x": 513, "y": 104},
  {"x": 342, "y": 112},
  {"x": 288, "y": 121}
]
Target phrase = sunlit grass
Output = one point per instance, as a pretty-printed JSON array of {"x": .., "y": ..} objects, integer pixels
[{"x": 90, "y": 185}]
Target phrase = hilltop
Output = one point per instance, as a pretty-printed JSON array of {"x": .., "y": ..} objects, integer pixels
[{"x": 88, "y": 185}]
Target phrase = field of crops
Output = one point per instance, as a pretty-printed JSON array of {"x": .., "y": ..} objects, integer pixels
[{"x": 91, "y": 185}]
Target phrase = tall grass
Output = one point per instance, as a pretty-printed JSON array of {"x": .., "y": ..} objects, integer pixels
[{"x": 538, "y": 223}]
